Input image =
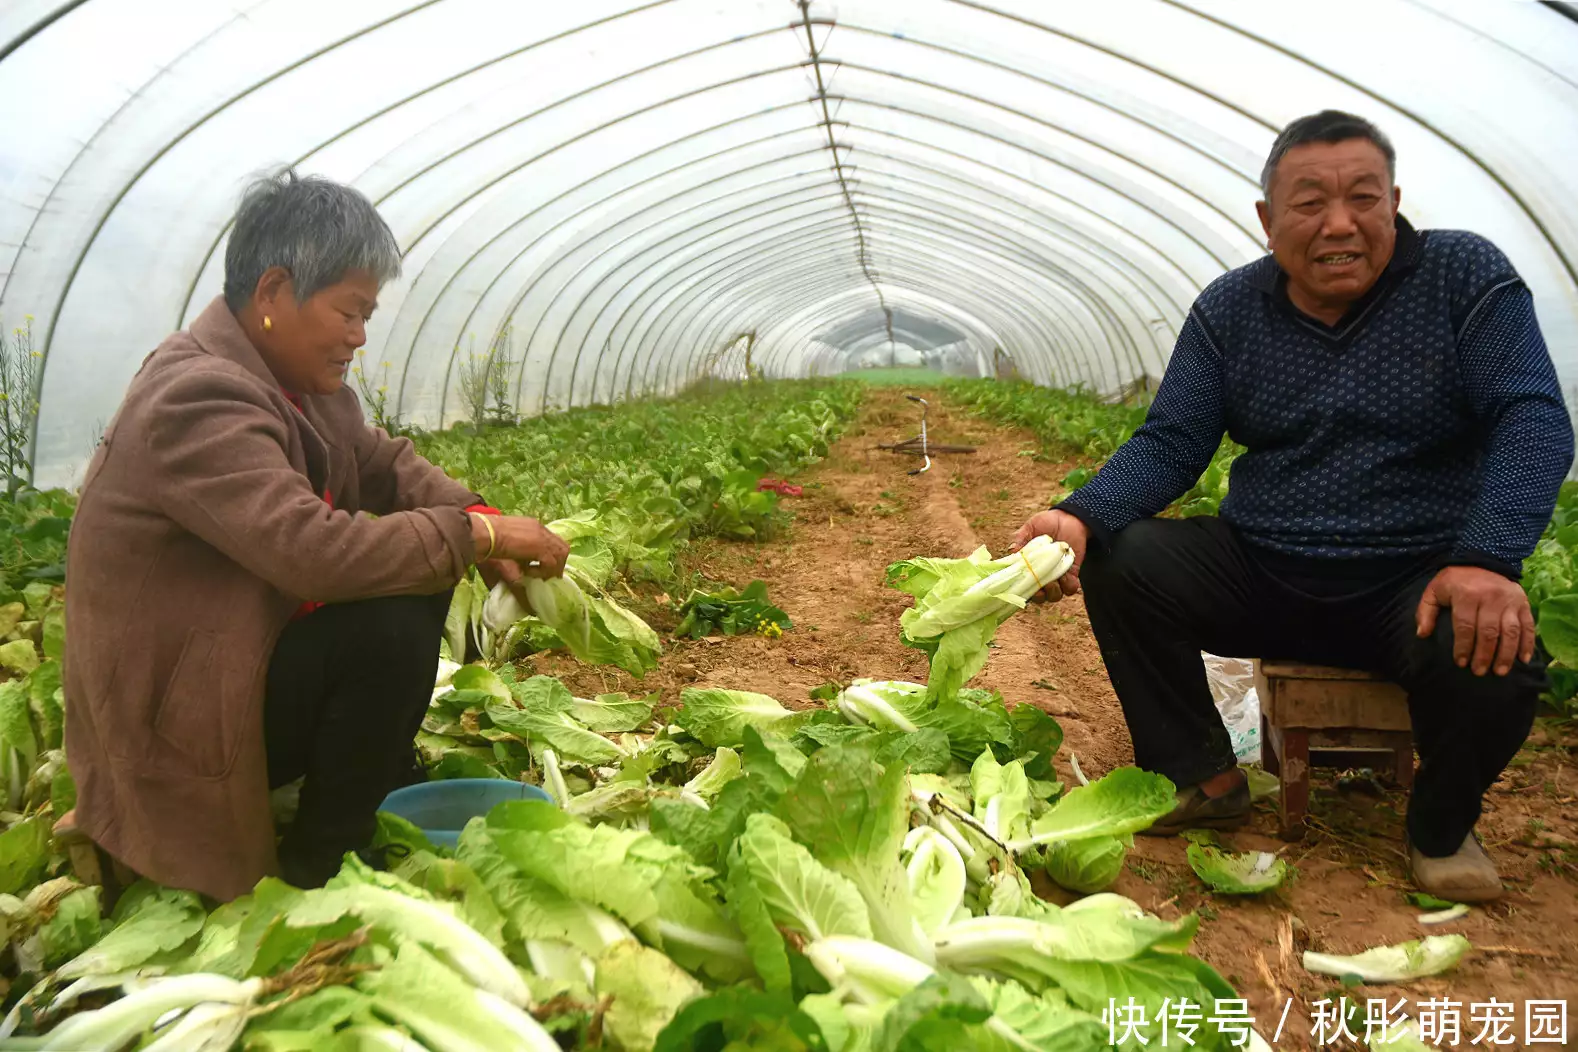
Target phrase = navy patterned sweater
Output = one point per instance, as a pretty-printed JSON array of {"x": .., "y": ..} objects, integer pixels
[{"x": 1427, "y": 421}]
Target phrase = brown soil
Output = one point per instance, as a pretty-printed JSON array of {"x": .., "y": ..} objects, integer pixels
[{"x": 860, "y": 512}]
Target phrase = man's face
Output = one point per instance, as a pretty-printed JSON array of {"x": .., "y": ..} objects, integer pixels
[{"x": 1331, "y": 223}]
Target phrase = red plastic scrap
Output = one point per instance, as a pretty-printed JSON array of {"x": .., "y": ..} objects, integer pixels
[{"x": 787, "y": 489}]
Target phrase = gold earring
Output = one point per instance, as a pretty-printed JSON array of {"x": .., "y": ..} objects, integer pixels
[{"x": 268, "y": 323}]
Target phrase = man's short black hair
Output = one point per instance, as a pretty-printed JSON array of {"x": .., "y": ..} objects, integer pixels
[{"x": 1330, "y": 126}]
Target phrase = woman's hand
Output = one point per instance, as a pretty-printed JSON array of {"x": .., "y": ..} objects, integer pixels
[{"x": 521, "y": 546}]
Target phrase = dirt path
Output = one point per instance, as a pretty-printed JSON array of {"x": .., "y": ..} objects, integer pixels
[{"x": 860, "y": 512}]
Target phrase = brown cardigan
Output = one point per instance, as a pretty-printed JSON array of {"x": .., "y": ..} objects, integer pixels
[{"x": 200, "y": 529}]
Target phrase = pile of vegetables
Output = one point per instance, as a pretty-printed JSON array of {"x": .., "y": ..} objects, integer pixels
[{"x": 730, "y": 871}]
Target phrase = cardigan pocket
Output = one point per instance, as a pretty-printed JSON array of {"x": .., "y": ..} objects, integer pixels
[{"x": 189, "y": 718}]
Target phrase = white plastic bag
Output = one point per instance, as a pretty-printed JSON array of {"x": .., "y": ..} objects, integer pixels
[{"x": 1233, "y": 689}]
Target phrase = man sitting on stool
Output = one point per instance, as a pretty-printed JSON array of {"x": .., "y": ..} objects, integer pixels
[{"x": 1406, "y": 438}]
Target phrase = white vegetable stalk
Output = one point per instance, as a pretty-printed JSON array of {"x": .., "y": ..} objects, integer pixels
[
  {"x": 208, "y": 1027},
  {"x": 865, "y": 706},
  {"x": 1418, "y": 959},
  {"x": 553, "y": 778},
  {"x": 1031, "y": 569},
  {"x": 456, "y": 943},
  {"x": 533, "y": 1038},
  {"x": 875, "y": 974},
  {"x": 1445, "y": 916},
  {"x": 553, "y": 959},
  {"x": 370, "y": 1038},
  {"x": 120, "y": 1022}
]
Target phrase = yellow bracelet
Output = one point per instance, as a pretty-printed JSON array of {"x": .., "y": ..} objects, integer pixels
[{"x": 493, "y": 540}]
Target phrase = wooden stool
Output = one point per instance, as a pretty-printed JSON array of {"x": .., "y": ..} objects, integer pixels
[{"x": 1343, "y": 713}]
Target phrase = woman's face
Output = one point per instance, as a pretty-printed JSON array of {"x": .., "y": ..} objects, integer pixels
[{"x": 309, "y": 346}]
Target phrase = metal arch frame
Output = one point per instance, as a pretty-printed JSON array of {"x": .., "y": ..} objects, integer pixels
[
  {"x": 87, "y": 247},
  {"x": 928, "y": 271},
  {"x": 384, "y": 111},
  {"x": 716, "y": 289},
  {"x": 560, "y": 222},
  {"x": 625, "y": 220},
  {"x": 650, "y": 247},
  {"x": 1568, "y": 263},
  {"x": 999, "y": 202},
  {"x": 731, "y": 174},
  {"x": 839, "y": 306},
  {"x": 366, "y": 30},
  {"x": 808, "y": 293},
  {"x": 1073, "y": 228},
  {"x": 1030, "y": 324},
  {"x": 809, "y": 315},
  {"x": 759, "y": 195},
  {"x": 543, "y": 271},
  {"x": 911, "y": 234},
  {"x": 702, "y": 286},
  {"x": 1099, "y": 303},
  {"x": 1165, "y": 220},
  {"x": 1091, "y": 274},
  {"x": 1001, "y": 330}
]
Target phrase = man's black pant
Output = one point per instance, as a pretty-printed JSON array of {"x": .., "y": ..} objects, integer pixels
[
  {"x": 1168, "y": 589},
  {"x": 348, "y": 686}
]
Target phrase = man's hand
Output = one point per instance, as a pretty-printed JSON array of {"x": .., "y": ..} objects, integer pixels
[
  {"x": 518, "y": 542},
  {"x": 1060, "y": 526},
  {"x": 1491, "y": 620}
]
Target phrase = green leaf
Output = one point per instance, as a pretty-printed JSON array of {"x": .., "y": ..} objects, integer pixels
[
  {"x": 394, "y": 830},
  {"x": 720, "y": 717},
  {"x": 739, "y": 1018},
  {"x": 648, "y": 991},
  {"x": 1416, "y": 959},
  {"x": 1039, "y": 738},
  {"x": 1152, "y": 980},
  {"x": 557, "y": 730},
  {"x": 480, "y": 678},
  {"x": 1246, "y": 874},
  {"x": 1426, "y": 901},
  {"x": 1089, "y": 865},
  {"x": 1557, "y": 626},
  {"x": 772, "y": 763},
  {"x": 800, "y": 893},
  {"x": 853, "y": 815},
  {"x": 161, "y": 923},
  {"x": 724, "y": 768},
  {"x": 75, "y": 926},
  {"x": 936, "y": 1016},
  {"x": 613, "y": 713},
  {"x": 19, "y": 657},
  {"x": 1125, "y": 800},
  {"x": 765, "y": 942},
  {"x": 24, "y": 855}
]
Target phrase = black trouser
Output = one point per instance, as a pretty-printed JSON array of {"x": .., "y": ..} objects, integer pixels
[
  {"x": 1168, "y": 589},
  {"x": 348, "y": 686}
]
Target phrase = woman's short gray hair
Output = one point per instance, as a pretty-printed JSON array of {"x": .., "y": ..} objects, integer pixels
[{"x": 313, "y": 227}]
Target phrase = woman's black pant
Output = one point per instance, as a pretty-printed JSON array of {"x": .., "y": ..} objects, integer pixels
[
  {"x": 348, "y": 686},
  {"x": 1169, "y": 589}
]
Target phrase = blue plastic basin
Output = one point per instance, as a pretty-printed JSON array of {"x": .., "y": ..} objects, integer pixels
[{"x": 442, "y": 809}]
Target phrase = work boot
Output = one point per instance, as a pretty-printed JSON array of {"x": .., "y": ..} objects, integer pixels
[
  {"x": 1465, "y": 876},
  {"x": 1196, "y": 810}
]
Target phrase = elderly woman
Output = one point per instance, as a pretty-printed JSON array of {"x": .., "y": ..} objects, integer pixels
[{"x": 258, "y": 579}]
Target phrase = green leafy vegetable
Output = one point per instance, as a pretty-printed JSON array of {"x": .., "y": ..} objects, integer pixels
[{"x": 1247, "y": 874}]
